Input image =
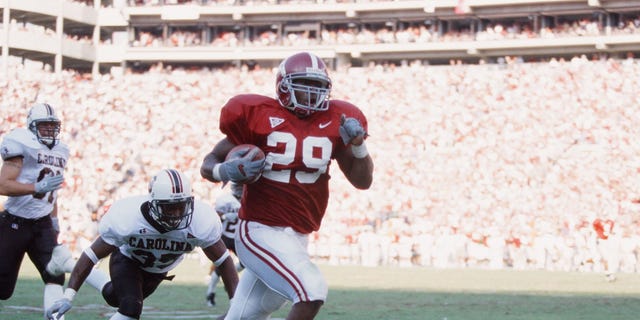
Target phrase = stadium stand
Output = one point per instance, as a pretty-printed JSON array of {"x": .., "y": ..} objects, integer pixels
[
  {"x": 496, "y": 159},
  {"x": 98, "y": 35}
]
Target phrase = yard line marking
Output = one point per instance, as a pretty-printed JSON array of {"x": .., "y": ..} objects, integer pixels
[{"x": 186, "y": 314}]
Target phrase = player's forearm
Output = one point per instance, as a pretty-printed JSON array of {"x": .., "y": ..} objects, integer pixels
[
  {"x": 80, "y": 272},
  {"x": 9, "y": 186},
  {"x": 229, "y": 276},
  {"x": 206, "y": 170},
  {"x": 361, "y": 172},
  {"x": 15, "y": 189}
]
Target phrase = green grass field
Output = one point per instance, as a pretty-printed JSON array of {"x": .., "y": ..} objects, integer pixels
[{"x": 381, "y": 293}]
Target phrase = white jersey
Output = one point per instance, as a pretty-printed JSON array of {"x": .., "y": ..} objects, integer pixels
[
  {"x": 38, "y": 160},
  {"x": 125, "y": 226},
  {"x": 227, "y": 207}
]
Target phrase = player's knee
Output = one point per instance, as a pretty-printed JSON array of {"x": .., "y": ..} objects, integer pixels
[
  {"x": 130, "y": 306},
  {"x": 306, "y": 309},
  {"x": 315, "y": 304},
  {"x": 109, "y": 295}
]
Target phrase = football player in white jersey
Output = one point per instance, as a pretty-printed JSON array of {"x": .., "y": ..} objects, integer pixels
[
  {"x": 227, "y": 207},
  {"x": 147, "y": 236},
  {"x": 34, "y": 160}
]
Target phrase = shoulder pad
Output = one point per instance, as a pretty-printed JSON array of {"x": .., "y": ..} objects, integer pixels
[
  {"x": 63, "y": 147},
  {"x": 205, "y": 220},
  {"x": 17, "y": 141}
]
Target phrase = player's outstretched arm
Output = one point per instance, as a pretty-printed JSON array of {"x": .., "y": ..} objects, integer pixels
[
  {"x": 219, "y": 255},
  {"x": 98, "y": 250}
]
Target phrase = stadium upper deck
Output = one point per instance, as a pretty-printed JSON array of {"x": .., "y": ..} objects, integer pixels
[{"x": 96, "y": 35}]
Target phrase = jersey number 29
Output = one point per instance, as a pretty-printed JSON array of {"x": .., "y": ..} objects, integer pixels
[{"x": 312, "y": 147}]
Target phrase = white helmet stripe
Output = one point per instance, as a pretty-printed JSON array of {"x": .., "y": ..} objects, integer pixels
[
  {"x": 49, "y": 110},
  {"x": 272, "y": 261},
  {"x": 314, "y": 61}
]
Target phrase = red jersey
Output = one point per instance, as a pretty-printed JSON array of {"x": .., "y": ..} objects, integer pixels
[
  {"x": 294, "y": 188},
  {"x": 603, "y": 228}
]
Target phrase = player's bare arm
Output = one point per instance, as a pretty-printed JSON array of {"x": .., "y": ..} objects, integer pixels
[
  {"x": 216, "y": 156},
  {"x": 9, "y": 185},
  {"x": 10, "y": 171},
  {"x": 359, "y": 171},
  {"x": 355, "y": 161},
  {"x": 98, "y": 250},
  {"x": 220, "y": 257},
  {"x": 83, "y": 267}
]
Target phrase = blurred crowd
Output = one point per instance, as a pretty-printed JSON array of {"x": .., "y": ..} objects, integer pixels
[
  {"x": 372, "y": 34},
  {"x": 356, "y": 33},
  {"x": 491, "y": 165}
]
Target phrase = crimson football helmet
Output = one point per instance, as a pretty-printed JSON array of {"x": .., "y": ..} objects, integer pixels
[
  {"x": 171, "y": 203},
  {"x": 44, "y": 123},
  {"x": 303, "y": 84}
]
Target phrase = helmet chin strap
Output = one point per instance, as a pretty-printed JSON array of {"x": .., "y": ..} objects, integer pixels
[
  {"x": 50, "y": 143},
  {"x": 50, "y": 138}
]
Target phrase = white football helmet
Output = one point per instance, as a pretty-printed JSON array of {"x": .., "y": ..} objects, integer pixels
[
  {"x": 171, "y": 203},
  {"x": 44, "y": 123},
  {"x": 303, "y": 84}
]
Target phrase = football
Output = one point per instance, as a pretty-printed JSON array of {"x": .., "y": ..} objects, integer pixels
[{"x": 239, "y": 151}]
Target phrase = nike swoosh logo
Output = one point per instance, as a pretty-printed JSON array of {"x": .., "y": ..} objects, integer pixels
[{"x": 324, "y": 125}]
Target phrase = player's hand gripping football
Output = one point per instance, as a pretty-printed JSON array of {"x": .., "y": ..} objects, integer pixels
[
  {"x": 240, "y": 169},
  {"x": 58, "y": 309},
  {"x": 351, "y": 131},
  {"x": 49, "y": 183}
]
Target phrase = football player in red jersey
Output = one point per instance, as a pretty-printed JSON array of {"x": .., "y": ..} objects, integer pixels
[
  {"x": 300, "y": 131},
  {"x": 609, "y": 243}
]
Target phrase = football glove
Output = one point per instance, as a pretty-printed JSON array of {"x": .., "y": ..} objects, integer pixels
[
  {"x": 350, "y": 128},
  {"x": 49, "y": 183},
  {"x": 58, "y": 309},
  {"x": 241, "y": 169}
]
